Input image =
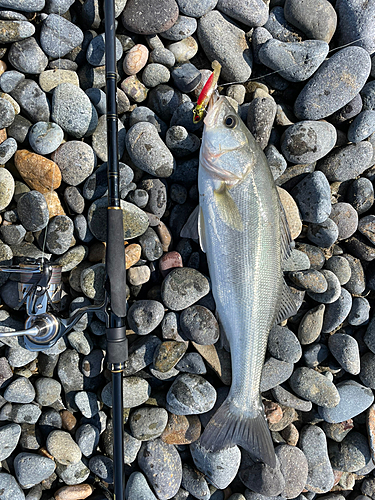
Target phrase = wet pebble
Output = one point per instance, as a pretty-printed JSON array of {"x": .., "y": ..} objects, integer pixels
[
  {"x": 162, "y": 466},
  {"x": 148, "y": 423},
  {"x": 190, "y": 395},
  {"x": 145, "y": 315},
  {"x": 284, "y": 345},
  {"x": 313, "y": 386}
]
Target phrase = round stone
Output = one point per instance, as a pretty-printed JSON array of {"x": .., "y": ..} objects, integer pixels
[
  {"x": 362, "y": 126},
  {"x": 138, "y": 487},
  {"x": 155, "y": 74},
  {"x": 10, "y": 79},
  {"x": 294, "y": 468},
  {"x": 6, "y": 188},
  {"x": 263, "y": 479},
  {"x": 310, "y": 279},
  {"x": 313, "y": 197},
  {"x": 192, "y": 362},
  {"x": 135, "y": 59},
  {"x": 95, "y": 53},
  {"x": 59, "y": 36},
  {"x": 45, "y": 137},
  {"x": 145, "y": 315},
  {"x": 59, "y": 234},
  {"x": 360, "y": 311},
  {"x": 50, "y": 79},
  {"x": 186, "y": 77},
  {"x": 336, "y": 312},
  {"x": 284, "y": 345},
  {"x": 73, "y": 111},
  {"x": 162, "y": 56},
  {"x": 7, "y": 113},
  {"x": 160, "y": 17},
  {"x": 333, "y": 289},
  {"x": 340, "y": 267},
  {"x": 183, "y": 287},
  {"x": 31, "y": 469},
  {"x": 167, "y": 355},
  {"x": 148, "y": 423},
  {"x": 274, "y": 372},
  {"x": 183, "y": 27},
  {"x": 76, "y": 160},
  {"x": 352, "y": 454},
  {"x": 367, "y": 373},
  {"x": 47, "y": 390},
  {"x": 9, "y": 437},
  {"x": 103, "y": 467},
  {"x": 75, "y": 201},
  {"x": 20, "y": 391},
  {"x": 27, "y": 56},
  {"x": 61, "y": 446},
  {"x": 87, "y": 403},
  {"x": 7, "y": 150},
  {"x": 12, "y": 490},
  {"x": 314, "y": 387},
  {"x": 141, "y": 354},
  {"x": 194, "y": 9},
  {"x": 307, "y": 17},
  {"x": 199, "y": 325},
  {"x": 190, "y": 395},
  {"x": 355, "y": 25},
  {"x": 346, "y": 351},
  {"x": 34, "y": 104},
  {"x": 184, "y": 50}
]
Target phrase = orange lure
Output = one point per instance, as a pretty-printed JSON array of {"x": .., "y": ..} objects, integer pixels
[{"x": 206, "y": 93}]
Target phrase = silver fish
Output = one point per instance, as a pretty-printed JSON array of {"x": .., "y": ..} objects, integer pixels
[{"x": 243, "y": 230}]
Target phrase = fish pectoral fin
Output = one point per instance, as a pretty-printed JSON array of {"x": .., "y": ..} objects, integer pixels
[
  {"x": 287, "y": 306},
  {"x": 201, "y": 231},
  {"x": 286, "y": 237},
  {"x": 227, "y": 208},
  {"x": 190, "y": 228}
]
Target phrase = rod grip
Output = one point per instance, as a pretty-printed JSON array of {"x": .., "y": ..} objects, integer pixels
[
  {"x": 117, "y": 345},
  {"x": 115, "y": 262}
]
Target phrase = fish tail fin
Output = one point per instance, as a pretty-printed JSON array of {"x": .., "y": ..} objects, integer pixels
[{"x": 230, "y": 426}]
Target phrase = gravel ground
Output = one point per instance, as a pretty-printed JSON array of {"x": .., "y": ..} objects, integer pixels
[{"x": 302, "y": 77}]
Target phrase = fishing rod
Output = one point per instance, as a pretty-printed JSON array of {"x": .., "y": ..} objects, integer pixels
[{"x": 39, "y": 281}]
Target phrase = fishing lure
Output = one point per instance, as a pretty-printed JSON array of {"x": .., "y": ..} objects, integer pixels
[{"x": 206, "y": 93}]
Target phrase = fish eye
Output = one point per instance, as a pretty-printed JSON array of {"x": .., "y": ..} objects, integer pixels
[{"x": 230, "y": 121}]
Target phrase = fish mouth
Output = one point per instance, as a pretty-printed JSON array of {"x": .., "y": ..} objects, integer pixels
[{"x": 213, "y": 109}]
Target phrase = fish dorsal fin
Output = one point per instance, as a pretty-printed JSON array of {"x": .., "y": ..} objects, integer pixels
[
  {"x": 286, "y": 238},
  {"x": 190, "y": 228},
  {"x": 287, "y": 305},
  {"x": 227, "y": 208}
]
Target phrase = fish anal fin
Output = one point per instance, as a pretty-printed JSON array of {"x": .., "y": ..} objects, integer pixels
[
  {"x": 227, "y": 208},
  {"x": 190, "y": 228},
  {"x": 287, "y": 305},
  {"x": 286, "y": 238},
  {"x": 230, "y": 426}
]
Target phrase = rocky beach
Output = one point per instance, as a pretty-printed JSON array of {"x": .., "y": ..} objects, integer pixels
[{"x": 301, "y": 74}]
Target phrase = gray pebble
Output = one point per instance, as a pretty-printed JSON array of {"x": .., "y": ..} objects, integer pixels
[
  {"x": 151, "y": 247},
  {"x": 313, "y": 197},
  {"x": 186, "y": 77},
  {"x": 73, "y": 111},
  {"x": 162, "y": 466},
  {"x": 27, "y": 56},
  {"x": 336, "y": 312},
  {"x": 286, "y": 398},
  {"x": 367, "y": 373},
  {"x": 310, "y": 279},
  {"x": 307, "y": 17},
  {"x": 284, "y": 345},
  {"x": 148, "y": 423},
  {"x": 136, "y": 391},
  {"x": 368, "y": 96},
  {"x": 327, "y": 91},
  {"x": 199, "y": 325},
  {"x": 274, "y": 372},
  {"x": 352, "y": 454},
  {"x": 350, "y": 110},
  {"x": 313, "y": 443},
  {"x": 183, "y": 116},
  {"x": 95, "y": 53},
  {"x": 192, "y": 362},
  {"x": 144, "y": 114},
  {"x": 296, "y": 61},
  {"x": 356, "y": 285},
  {"x": 195, "y": 483},
  {"x": 333, "y": 290},
  {"x": 369, "y": 337},
  {"x": 7, "y": 113},
  {"x": 9, "y": 437},
  {"x": 45, "y": 137},
  {"x": 346, "y": 351},
  {"x": 354, "y": 399},
  {"x": 139, "y": 197},
  {"x": 190, "y": 395},
  {"x": 220, "y": 467},
  {"x": 279, "y": 28},
  {"x": 196, "y": 9},
  {"x": 260, "y": 117},
  {"x": 161, "y": 55},
  {"x": 137, "y": 488},
  {"x": 163, "y": 100},
  {"x": 63, "y": 448},
  {"x": 315, "y": 354},
  {"x": 31, "y": 469},
  {"x": 47, "y": 390},
  {"x": 263, "y": 479},
  {"x": 87, "y": 438},
  {"x": 181, "y": 142},
  {"x": 340, "y": 267},
  {"x": 275, "y": 160},
  {"x": 59, "y": 36},
  {"x": 183, "y": 27},
  {"x": 141, "y": 354},
  {"x": 297, "y": 261},
  {"x": 10, "y": 487},
  {"x": 155, "y": 74},
  {"x": 18, "y": 356},
  {"x": 259, "y": 36},
  {"x": 10, "y": 79},
  {"x": 294, "y": 468},
  {"x": 33, "y": 102},
  {"x": 338, "y": 431},
  {"x": 19, "y": 128},
  {"x": 73, "y": 474},
  {"x": 360, "y": 311},
  {"x": 183, "y": 287},
  {"x": 354, "y": 25},
  {"x": 26, "y": 413},
  {"x": 234, "y": 55},
  {"x": 7, "y": 150},
  {"x": 98, "y": 98},
  {"x": 313, "y": 386},
  {"x": 59, "y": 234},
  {"x": 76, "y": 160},
  {"x": 68, "y": 371},
  {"x": 87, "y": 403},
  {"x": 251, "y": 13},
  {"x": 20, "y": 391},
  {"x": 74, "y": 200},
  {"x": 96, "y": 185},
  {"x": 103, "y": 467},
  {"x": 362, "y": 126},
  {"x": 366, "y": 227},
  {"x": 145, "y": 315},
  {"x": 147, "y": 150}
]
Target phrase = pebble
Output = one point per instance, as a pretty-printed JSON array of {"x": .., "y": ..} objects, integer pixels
[
  {"x": 50, "y": 79},
  {"x": 275, "y": 160},
  {"x": 87, "y": 438},
  {"x": 366, "y": 226},
  {"x": 95, "y": 53},
  {"x": 59, "y": 36},
  {"x": 333, "y": 290},
  {"x": 181, "y": 429},
  {"x": 362, "y": 126},
  {"x": 162, "y": 56},
  {"x": 345, "y": 349},
  {"x": 103, "y": 467},
  {"x": 350, "y": 110},
  {"x": 284, "y": 345},
  {"x": 356, "y": 285},
  {"x": 162, "y": 466},
  {"x": 76, "y": 161},
  {"x": 7, "y": 113},
  {"x": 59, "y": 234},
  {"x": 360, "y": 247},
  {"x": 310, "y": 279},
  {"x": 27, "y": 56},
  {"x": 169, "y": 261},
  {"x": 135, "y": 59},
  {"x": 155, "y": 74},
  {"x": 139, "y": 275},
  {"x": 186, "y": 77},
  {"x": 147, "y": 150},
  {"x": 352, "y": 454},
  {"x": 184, "y": 50},
  {"x": 295, "y": 61},
  {"x": 315, "y": 354},
  {"x": 73, "y": 111},
  {"x": 367, "y": 373},
  {"x": 354, "y": 24},
  {"x": 307, "y": 18},
  {"x": 87, "y": 403},
  {"x": 274, "y": 372},
  {"x": 336, "y": 312},
  {"x": 313, "y": 197},
  {"x": 294, "y": 469},
  {"x": 47, "y": 390},
  {"x": 190, "y": 394},
  {"x": 20, "y": 391},
  {"x": 45, "y": 137},
  {"x": 338, "y": 431},
  {"x": 99, "y": 142},
  {"x": 195, "y": 483},
  {"x": 199, "y": 325},
  {"x": 10, "y": 487},
  {"x": 234, "y": 55},
  {"x": 38, "y": 172},
  {"x": 340, "y": 267},
  {"x": 367, "y": 95},
  {"x": 183, "y": 287},
  {"x": 347, "y": 162},
  {"x": 141, "y": 354},
  {"x": 183, "y": 28},
  {"x": 360, "y": 311},
  {"x": 314, "y": 104},
  {"x": 137, "y": 488},
  {"x": 220, "y": 467},
  {"x": 194, "y": 9},
  {"x": 151, "y": 247},
  {"x": 19, "y": 128},
  {"x": 61, "y": 446},
  {"x": 354, "y": 399},
  {"x": 148, "y": 423},
  {"x": 263, "y": 479},
  {"x": 145, "y": 315},
  {"x": 260, "y": 117},
  {"x": 31, "y": 469},
  {"x": 180, "y": 142},
  {"x": 164, "y": 100},
  {"x": 9, "y": 438},
  {"x": 155, "y": 19},
  {"x": 10, "y": 79},
  {"x": 14, "y": 31},
  {"x": 6, "y": 188},
  {"x": 313, "y": 443},
  {"x": 288, "y": 399},
  {"x": 33, "y": 102},
  {"x": 78, "y": 492},
  {"x": 313, "y": 386}
]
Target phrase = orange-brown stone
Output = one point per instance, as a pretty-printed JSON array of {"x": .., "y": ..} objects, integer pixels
[
  {"x": 132, "y": 254},
  {"x": 273, "y": 411},
  {"x": 38, "y": 172},
  {"x": 290, "y": 434},
  {"x": 181, "y": 429},
  {"x": 3, "y": 134},
  {"x": 164, "y": 234},
  {"x": 75, "y": 492},
  {"x": 169, "y": 261},
  {"x": 69, "y": 421},
  {"x": 370, "y": 423},
  {"x": 3, "y": 67},
  {"x": 54, "y": 204}
]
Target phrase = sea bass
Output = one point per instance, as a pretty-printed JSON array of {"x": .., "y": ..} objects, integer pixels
[{"x": 243, "y": 230}]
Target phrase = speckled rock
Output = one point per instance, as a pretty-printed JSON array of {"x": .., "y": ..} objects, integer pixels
[
  {"x": 354, "y": 25},
  {"x": 76, "y": 161},
  {"x": 352, "y": 454},
  {"x": 294, "y": 468},
  {"x": 154, "y": 20},
  {"x": 167, "y": 355},
  {"x": 183, "y": 287},
  {"x": 190, "y": 395},
  {"x": 145, "y": 315},
  {"x": 274, "y": 372},
  {"x": 313, "y": 197},
  {"x": 137, "y": 488},
  {"x": 136, "y": 391},
  {"x": 263, "y": 479},
  {"x": 148, "y": 423},
  {"x": 284, "y": 345},
  {"x": 313, "y": 386},
  {"x": 336, "y": 312},
  {"x": 27, "y": 56},
  {"x": 59, "y": 36},
  {"x": 31, "y": 469},
  {"x": 307, "y": 17}
]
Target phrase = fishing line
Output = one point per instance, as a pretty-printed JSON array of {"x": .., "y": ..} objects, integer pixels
[{"x": 292, "y": 65}]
